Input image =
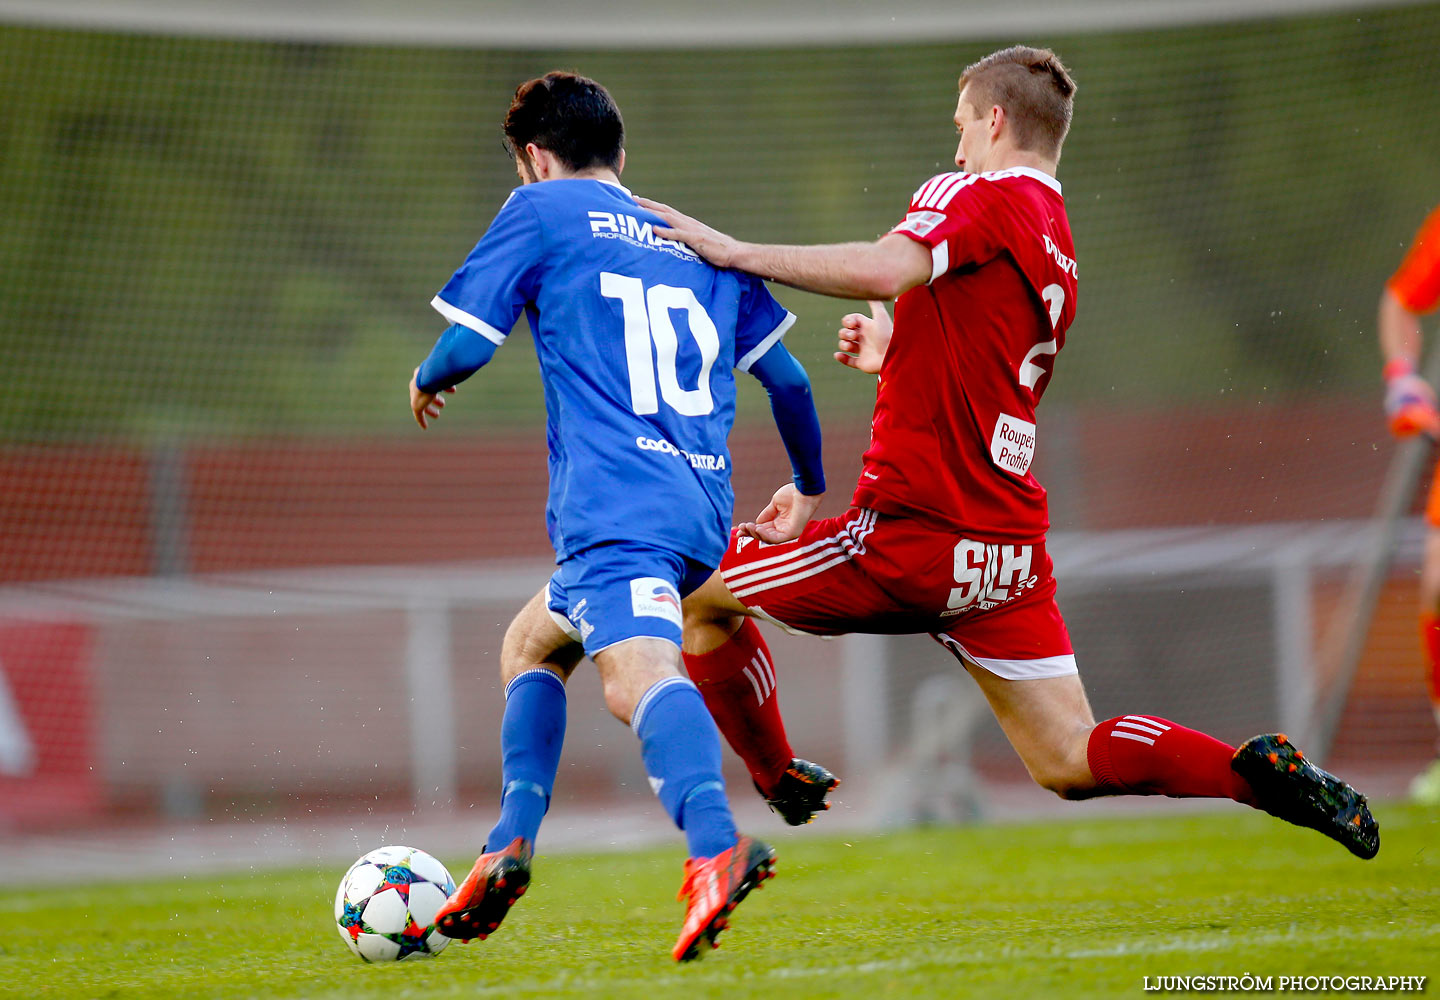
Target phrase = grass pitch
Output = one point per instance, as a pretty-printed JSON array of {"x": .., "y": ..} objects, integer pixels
[{"x": 1079, "y": 908}]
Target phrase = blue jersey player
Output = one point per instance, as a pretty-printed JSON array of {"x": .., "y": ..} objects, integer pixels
[{"x": 637, "y": 339}]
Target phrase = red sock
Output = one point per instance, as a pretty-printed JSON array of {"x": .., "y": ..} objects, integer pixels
[
  {"x": 737, "y": 681},
  {"x": 1430, "y": 639},
  {"x": 1146, "y": 755}
]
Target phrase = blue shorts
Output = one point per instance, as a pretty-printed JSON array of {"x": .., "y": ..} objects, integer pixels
[{"x": 622, "y": 590}]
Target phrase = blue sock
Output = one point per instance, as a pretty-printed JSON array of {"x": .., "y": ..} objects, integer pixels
[
  {"x": 681, "y": 748},
  {"x": 531, "y": 736}
]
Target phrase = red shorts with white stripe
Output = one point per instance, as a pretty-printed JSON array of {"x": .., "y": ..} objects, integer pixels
[{"x": 989, "y": 603}]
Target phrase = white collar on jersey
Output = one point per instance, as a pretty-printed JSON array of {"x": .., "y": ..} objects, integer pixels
[
  {"x": 617, "y": 184},
  {"x": 597, "y": 180},
  {"x": 1031, "y": 172}
]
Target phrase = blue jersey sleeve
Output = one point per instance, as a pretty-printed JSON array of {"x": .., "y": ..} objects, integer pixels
[
  {"x": 790, "y": 401},
  {"x": 459, "y": 353},
  {"x": 760, "y": 324},
  {"x": 499, "y": 277}
]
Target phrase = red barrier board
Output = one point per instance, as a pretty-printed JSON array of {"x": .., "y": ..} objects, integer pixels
[{"x": 48, "y": 765}]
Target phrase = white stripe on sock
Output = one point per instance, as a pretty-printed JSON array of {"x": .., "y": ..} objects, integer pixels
[
  {"x": 648, "y": 698},
  {"x": 1133, "y": 736},
  {"x": 1143, "y": 729}
]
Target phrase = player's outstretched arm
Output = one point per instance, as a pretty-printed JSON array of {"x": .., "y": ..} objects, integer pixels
[
  {"x": 885, "y": 269},
  {"x": 459, "y": 353},
  {"x": 793, "y": 407},
  {"x": 1409, "y": 399},
  {"x": 865, "y": 339}
]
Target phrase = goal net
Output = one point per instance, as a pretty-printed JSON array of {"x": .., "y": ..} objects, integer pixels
[{"x": 222, "y": 232}]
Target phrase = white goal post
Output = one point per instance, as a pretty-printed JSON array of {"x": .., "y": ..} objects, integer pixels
[{"x": 642, "y": 24}]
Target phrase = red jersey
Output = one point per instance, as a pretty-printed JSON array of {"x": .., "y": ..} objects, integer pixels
[
  {"x": 953, "y": 435},
  {"x": 1417, "y": 282}
]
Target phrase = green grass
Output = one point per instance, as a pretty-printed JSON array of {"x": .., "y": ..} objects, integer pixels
[{"x": 1080, "y": 908}]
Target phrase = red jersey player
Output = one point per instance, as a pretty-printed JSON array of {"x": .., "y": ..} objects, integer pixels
[
  {"x": 946, "y": 534},
  {"x": 1412, "y": 291}
]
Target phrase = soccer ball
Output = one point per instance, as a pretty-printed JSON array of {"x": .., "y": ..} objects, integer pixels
[{"x": 388, "y": 900}]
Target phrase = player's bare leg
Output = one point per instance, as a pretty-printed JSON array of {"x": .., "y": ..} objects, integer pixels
[
  {"x": 629, "y": 669},
  {"x": 1426, "y": 786},
  {"x": 534, "y": 641},
  {"x": 536, "y": 659},
  {"x": 681, "y": 748},
  {"x": 729, "y": 661},
  {"x": 1049, "y": 723},
  {"x": 712, "y": 616}
]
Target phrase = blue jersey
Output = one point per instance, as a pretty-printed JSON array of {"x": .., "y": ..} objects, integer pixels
[{"x": 637, "y": 338}]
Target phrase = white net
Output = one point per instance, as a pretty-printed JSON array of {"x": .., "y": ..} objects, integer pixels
[{"x": 214, "y": 278}]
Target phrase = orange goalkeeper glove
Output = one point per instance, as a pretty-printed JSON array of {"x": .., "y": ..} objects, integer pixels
[{"x": 1409, "y": 401}]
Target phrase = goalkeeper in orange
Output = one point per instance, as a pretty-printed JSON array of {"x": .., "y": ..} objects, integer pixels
[{"x": 1412, "y": 291}]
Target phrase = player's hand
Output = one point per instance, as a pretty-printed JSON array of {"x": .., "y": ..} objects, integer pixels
[
  {"x": 865, "y": 339},
  {"x": 425, "y": 405},
  {"x": 1409, "y": 402},
  {"x": 784, "y": 518},
  {"x": 711, "y": 244}
]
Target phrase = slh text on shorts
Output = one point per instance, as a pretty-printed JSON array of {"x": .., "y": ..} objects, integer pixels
[{"x": 989, "y": 575}]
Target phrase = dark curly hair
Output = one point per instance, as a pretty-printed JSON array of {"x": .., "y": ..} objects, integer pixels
[{"x": 569, "y": 115}]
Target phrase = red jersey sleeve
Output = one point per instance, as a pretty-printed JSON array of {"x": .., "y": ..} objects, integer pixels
[
  {"x": 1417, "y": 283},
  {"x": 947, "y": 216}
]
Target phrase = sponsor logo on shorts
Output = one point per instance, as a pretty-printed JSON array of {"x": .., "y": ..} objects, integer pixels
[
  {"x": 989, "y": 575},
  {"x": 577, "y": 618},
  {"x": 1012, "y": 446},
  {"x": 743, "y": 540},
  {"x": 653, "y": 597}
]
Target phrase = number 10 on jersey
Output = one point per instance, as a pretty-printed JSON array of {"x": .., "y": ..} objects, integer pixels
[{"x": 648, "y": 321}]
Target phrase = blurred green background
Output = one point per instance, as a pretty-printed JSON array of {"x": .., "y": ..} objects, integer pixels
[{"x": 230, "y": 238}]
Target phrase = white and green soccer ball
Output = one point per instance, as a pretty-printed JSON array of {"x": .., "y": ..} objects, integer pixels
[{"x": 387, "y": 903}]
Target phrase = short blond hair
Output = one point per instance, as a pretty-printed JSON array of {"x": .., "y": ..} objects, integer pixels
[{"x": 1034, "y": 88}]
